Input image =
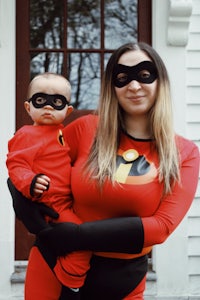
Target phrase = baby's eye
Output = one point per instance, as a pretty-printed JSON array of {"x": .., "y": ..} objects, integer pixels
[
  {"x": 122, "y": 77},
  {"x": 40, "y": 100},
  {"x": 58, "y": 102},
  {"x": 144, "y": 74}
]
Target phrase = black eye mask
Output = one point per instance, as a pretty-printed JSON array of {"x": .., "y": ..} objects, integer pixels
[
  {"x": 57, "y": 101},
  {"x": 144, "y": 72}
]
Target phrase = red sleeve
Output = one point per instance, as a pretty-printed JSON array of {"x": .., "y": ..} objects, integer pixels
[
  {"x": 174, "y": 207},
  {"x": 20, "y": 157},
  {"x": 77, "y": 131}
]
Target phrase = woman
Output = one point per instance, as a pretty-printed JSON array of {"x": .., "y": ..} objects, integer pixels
[{"x": 133, "y": 180}]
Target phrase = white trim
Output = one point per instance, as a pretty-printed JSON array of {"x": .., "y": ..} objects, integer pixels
[
  {"x": 7, "y": 125},
  {"x": 178, "y": 22}
]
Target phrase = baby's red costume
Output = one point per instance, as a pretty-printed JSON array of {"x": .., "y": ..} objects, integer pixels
[{"x": 42, "y": 150}]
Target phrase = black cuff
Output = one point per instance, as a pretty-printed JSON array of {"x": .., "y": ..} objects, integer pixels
[
  {"x": 33, "y": 184},
  {"x": 124, "y": 235}
]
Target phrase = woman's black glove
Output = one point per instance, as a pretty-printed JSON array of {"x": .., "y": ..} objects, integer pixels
[
  {"x": 123, "y": 235},
  {"x": 31, "y": 214}
]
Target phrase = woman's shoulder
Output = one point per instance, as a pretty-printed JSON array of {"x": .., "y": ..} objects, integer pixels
[
  {"x": 88, "y": 121},
  {"x": 186, "y": 147}
]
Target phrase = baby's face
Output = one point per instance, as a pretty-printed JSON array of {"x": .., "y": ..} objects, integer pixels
[{"x": 49, "y": 100}]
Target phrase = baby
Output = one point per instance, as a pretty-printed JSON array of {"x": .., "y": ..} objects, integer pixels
[{"x": 39, "y": 166}]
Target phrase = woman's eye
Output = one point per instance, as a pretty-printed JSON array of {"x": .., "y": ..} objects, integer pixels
[
  {"x": 144, "y": 74},
  {"x": 122, "y": 77},
  {"x": 58, "y": 102},
  {"x": 40, "y": 100}
]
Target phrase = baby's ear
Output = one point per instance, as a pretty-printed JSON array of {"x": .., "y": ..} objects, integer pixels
[
  {"x": 69, "y": 110},
  {"x": 27, "y": 106}
]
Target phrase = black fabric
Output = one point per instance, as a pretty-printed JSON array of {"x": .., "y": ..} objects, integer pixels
[
  {"x": 113, "y": 279},
  {"x": 124, "y": 235},
  {"x": 62, "y": 238},
  {"x": 48, "y": 254},
  {"x": 144, "y": 72},
  {"x": 33, "y": 184},
  {"x": 57, "y": 101},
  {"x": 30, "y": 213},
  {"x": 68, "y": 294}
]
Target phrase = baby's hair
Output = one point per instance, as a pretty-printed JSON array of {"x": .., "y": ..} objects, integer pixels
[{"x": 46, "y": 75}]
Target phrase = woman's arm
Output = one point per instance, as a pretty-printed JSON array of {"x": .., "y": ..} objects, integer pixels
[
  {"x": 124, "y": 235},
  {"x": 174, "y": 206},
  {"x": 131, "y": 234},
  {"x": 31, "y": 214}
]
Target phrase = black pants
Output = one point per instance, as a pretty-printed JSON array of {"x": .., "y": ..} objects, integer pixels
[
  {"x": 113, "y": 279},
  {"x": 107, "y": 278}
]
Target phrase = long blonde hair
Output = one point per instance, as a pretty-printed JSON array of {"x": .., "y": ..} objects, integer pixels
[{"x": 101, "y": 163}]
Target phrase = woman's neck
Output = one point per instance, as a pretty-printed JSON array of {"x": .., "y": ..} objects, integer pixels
[{"x": 138, "y": 127}]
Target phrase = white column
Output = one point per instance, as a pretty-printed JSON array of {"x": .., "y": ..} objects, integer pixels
[{"x": 7, "y": 128}]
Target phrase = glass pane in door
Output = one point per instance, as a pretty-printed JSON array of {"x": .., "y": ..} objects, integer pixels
[{"x": 120, "y": 22}]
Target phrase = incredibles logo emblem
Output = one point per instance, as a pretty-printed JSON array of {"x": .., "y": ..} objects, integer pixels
[{"x": 133, "y": 168}]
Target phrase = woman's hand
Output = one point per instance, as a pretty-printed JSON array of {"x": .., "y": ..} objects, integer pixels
[
  {"x": 31, "y": 214},
  {"x": 61, "y": 238}
]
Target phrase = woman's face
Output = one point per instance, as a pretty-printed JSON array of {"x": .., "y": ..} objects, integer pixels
[{"x": 136, "y": 87}]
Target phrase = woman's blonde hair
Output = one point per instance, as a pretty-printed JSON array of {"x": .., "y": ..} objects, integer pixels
[{"x": 101, "y": 163}]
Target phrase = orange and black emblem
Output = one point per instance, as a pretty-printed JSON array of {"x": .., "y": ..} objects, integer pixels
[{"x": 133, "y": 168}]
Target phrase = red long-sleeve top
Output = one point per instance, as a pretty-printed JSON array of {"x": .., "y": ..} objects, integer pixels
[{"x": 139, "y": 192}]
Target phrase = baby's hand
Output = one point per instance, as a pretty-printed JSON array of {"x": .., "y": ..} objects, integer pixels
[{"x": 41, "y": 184}]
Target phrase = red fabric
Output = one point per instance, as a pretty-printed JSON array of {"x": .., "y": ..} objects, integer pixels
[
  {"x": 42, "y": 150},
  {"x": 141, "y": 196},
  {"x": 34, "y": 150},
  {"x": 41, "y": 283}
]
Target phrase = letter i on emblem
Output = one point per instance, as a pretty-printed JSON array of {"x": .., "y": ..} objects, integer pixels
[{"x": 61, "y": 138}]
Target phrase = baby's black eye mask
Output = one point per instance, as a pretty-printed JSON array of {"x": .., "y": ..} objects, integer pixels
[
  {"x": 57, "y": 101},
  {"x": 144, "y": 72}
]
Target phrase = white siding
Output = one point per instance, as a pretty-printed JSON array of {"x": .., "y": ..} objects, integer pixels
[{"x": 193, "y": 133}]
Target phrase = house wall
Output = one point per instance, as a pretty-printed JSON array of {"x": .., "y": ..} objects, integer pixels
[
  {"x": 177, "y": 261},
  {"x": 7, "y": 126},
  {"x": 193, "y": 132}
]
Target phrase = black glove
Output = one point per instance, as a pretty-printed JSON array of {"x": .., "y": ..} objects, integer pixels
[
  {"x": 30, "y": 213},
  {"x": 125, "y": 235}
]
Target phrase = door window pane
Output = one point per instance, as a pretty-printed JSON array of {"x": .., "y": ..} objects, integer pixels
[
  {"x": 120, "y": 22},
  {"x": 83, "y": 24},
  {"x": 84, "y": 75},
  {"x": 46, "y": 24},
  {"x": 46, "y": 62}
]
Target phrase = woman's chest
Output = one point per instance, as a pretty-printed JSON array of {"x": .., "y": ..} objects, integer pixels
[{"x": 137, "y": 190}]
